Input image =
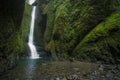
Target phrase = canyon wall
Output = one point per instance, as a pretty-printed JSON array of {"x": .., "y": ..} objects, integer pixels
[
  {"x": 14, "y": 22},
  {"x": 87, "y": 30}
]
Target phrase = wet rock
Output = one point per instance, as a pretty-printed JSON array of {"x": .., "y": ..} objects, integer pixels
[
  {"x": 108, "y": 67},
  {"x": 118, "y": 61},
  {"x": 101, "y": 68},
  {"x": 8, "y": 63},
  {"x": 73, "y": 77},
  {"x": 57, "y": 78},
  {"x": 85, "y": 75},
  {"x": 76, "y": 69},
  {"x": 118, "y": 67},
  {"x": 109, "y": 75}
]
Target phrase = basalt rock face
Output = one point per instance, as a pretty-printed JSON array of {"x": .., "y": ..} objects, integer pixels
[
  {"x": 40, "y": 24},
  {"x": 11, "y": 42},
  {"x": 83, "y": 29}
]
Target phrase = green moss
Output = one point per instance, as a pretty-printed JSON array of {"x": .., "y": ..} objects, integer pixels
[
  {"x": 25, "y": 26},
  {"x": 102, "y": 40},
  {"x": 12, "y": 35},
  {"x": 70, "y": 22},
  {"x": 11, "y": 32}
]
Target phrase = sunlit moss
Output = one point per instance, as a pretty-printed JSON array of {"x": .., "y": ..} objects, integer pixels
[{"x": 102, "y": 39}]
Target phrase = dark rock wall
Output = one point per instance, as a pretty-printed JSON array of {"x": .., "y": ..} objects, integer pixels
[
  {"x": 10, "y": 32},
  {"x": 41, "y": 20}
]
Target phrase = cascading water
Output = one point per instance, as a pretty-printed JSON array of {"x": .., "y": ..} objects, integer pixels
[{"x": 31, "y": 45}]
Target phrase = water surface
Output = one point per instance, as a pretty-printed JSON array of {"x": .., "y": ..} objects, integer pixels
[{"x": 25, "y": 70}]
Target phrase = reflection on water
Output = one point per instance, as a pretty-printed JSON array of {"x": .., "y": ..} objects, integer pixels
[
  {"x": 30, "y": 68},
  {"x": 25, "y": 70}
]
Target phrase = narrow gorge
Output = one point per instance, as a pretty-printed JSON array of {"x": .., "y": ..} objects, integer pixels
[{"x": 60, "y": 40}]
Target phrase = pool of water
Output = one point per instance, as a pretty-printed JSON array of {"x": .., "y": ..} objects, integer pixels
[{"x": 25, "y": 70}]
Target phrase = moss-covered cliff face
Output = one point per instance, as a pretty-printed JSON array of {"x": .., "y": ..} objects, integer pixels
[
  {"x": 25, "y": 27},
  {"x": 12, "y": 14},
  {"x": 87, "y": 30}
]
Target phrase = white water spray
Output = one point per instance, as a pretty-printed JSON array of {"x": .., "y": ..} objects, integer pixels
[
  {"x": 34, "y": 54},
  {"x": 31, "y": 1}
]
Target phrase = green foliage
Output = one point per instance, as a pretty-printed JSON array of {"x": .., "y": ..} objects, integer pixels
[
  {"x": 12, "y": 35},
  {"x": 102, "y": 40},
  {"x": 70, "y": 22},
  {"x": 25, "y": 25},
  {"x": 14, "y": 23}
]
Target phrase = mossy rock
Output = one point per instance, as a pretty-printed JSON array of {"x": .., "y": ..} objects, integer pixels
[{"x": 74, "y": 29}]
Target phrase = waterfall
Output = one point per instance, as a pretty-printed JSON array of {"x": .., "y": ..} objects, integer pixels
[
  {"x": 31, "y": 45},
  {"x": 31, "y": 1}
]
